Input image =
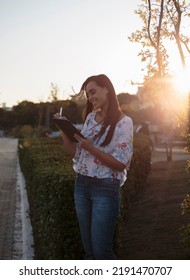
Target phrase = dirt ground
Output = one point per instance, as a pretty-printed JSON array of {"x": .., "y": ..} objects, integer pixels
[{"x": 152, "y": 223}]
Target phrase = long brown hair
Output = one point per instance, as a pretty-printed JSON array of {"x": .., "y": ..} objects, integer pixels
[{"x": 113, "y": 112}]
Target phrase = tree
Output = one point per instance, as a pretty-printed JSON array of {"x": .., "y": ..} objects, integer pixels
[
  {"x": 53, "y": 97},
  {"x": 53, "y": 93},
  {"x": 175, "y": 11},
  {"x": 162, "y": 21},
  {"x": 26, "y": 113},
  {"x": 150, "y": 37}
]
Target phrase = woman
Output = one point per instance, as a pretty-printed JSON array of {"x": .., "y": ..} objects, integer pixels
[{"x": 101, "y": 161}]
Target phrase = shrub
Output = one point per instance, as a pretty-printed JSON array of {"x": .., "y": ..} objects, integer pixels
[
  {"x": 24, "y": 131},
  {"x": 185, "y": 229},
  {"x": 49, "y": 180},
  {"x": 138, "y": 173}
]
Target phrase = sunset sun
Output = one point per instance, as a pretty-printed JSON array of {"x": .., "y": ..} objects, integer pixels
[{"x": 181, "y": 81}]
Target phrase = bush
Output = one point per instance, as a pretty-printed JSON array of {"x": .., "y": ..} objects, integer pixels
[
  {"x": 50, "y": 179},
  {"x": 24, "y": 131},
  {"x": 138, "y": 173},
  {"x": 185, "y": 206},
  {"x": 185, "y": 229}
]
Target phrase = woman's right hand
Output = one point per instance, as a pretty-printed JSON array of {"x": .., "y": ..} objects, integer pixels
[{"x": 58, "y": 116}]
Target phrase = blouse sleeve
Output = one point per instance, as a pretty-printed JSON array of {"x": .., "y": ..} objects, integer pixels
[{"x": 123, "y": 149}]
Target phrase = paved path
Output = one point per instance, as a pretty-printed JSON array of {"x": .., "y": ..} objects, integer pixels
[
  {"x": 15, "y": 228},
  {"x": 8, "y": 179},
  {"x": 178, "y": 153},
  {"x": 151, "y": 229}
]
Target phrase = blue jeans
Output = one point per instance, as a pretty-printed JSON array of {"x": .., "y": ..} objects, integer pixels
[{"x": 97, "y": 203}]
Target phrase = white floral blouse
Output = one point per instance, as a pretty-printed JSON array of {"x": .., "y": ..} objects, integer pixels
[{"x": 120, "y": 147}]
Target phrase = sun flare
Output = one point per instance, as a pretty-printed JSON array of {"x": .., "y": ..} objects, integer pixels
[{"x": 181, "y": 81}]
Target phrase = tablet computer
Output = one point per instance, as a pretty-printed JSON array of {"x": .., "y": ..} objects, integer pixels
[{"x": 68, "y": 128}]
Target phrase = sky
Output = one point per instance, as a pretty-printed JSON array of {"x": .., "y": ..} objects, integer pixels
[{"x": 63, "y": 42}]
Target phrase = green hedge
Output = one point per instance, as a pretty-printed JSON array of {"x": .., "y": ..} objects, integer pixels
[
  {"x": 49, "y": 181},
  {"x": 185, "y": 206},
  {"x": 138, "y": 173}
]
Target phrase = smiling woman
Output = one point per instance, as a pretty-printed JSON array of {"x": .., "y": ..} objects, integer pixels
[{"x": 101, "y": 160}]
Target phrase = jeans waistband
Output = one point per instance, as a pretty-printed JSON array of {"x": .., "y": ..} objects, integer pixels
[{"x": 95, "y": 179}]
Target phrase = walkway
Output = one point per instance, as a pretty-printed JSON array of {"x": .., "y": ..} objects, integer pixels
[
  {"x": 8, "y": 163},
  {"x": 15, "y": 227},
  {"x": 151, "y": 230}
]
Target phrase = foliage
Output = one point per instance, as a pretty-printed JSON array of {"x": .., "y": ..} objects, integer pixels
[
  {"x": 24, "y": 131},
  {"x": 7, "y": 119},
  {"x": 185, "y": 229},
  {"x": 54, "y": 93},
  {"x": 161, "y": 22},
  {"x": 138, "y": 173},
  {"x": 26, "y": 113},
  {"x": 129, "y": 104},
  {"x": 50, "y": 179},
  {"x": 162, "y": 25},
  {"x": 186, "y": 205},
  {"x": 38, "y": 115},
  {"x": 185, "y": 236}
]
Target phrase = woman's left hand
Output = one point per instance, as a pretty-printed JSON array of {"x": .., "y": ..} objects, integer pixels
[
  {"x": 84, "y": 143},
  {"x": 104, "y": 158}
]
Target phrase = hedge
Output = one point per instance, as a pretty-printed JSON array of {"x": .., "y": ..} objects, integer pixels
[
  {"x": 49, "y": 181},
  {"x": 185, "y": 207}
]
